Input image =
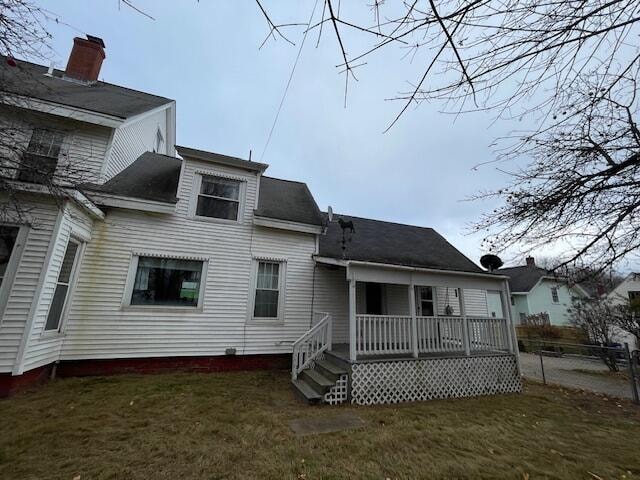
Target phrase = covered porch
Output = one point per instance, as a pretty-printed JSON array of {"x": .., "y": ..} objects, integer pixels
[{"x": 397, "y": 312}]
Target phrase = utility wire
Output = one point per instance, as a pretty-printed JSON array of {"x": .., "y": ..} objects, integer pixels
[{"x": 286, "y": 89}]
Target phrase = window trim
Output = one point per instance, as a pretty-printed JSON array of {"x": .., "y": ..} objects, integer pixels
[
  {"x": 282, "y": 288},
  {"x": 131, "y": 278},
  {"x": 73, "y": 278},
  {"x": 12, "y": 265},
  {"x": 195, "y": 193}
]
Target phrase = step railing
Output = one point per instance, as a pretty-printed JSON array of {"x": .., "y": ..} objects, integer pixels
[
  {"x": 311, "y": 344},
  {"x": 383, "y": 334}
]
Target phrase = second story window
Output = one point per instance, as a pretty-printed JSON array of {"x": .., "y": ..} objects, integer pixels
[
  {"x": 40, "y": 159},
  {"x": 218, "y": 198},
  {"x": 554, "y": 295}
]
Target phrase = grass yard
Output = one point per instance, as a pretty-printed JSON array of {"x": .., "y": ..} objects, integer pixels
[{"x": 236, "y": 425}]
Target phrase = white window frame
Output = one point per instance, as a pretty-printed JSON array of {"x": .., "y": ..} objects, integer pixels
[
  {"x": 197, "y": 184},
  {"x": 555, "y": 299},
  {"x": 131, "y": 278},
  {"x": 12, "y": 266},
  {"x": 75, "y": 268},
  {"x": 282, "y": 288}
]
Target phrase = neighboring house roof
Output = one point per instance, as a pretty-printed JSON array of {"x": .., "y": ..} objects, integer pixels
[
  {"x": 523, "y": 278},
  {"x": 29, "y": 79},
  {"x": 221, "y": 159},
  {"x": 287, "y": 200},
  {"x": 151, "y": 177},
  {"x": 392, "y": 243}
]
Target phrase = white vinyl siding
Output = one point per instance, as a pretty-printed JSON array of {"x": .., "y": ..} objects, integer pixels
[
  {"x": 43, "y": 347},
  {"x": 132, "y": 140},
  {"x": 81, "y": 155},
  {"x": 98, "y": 326},
  {"x": 26, "y": 279}
]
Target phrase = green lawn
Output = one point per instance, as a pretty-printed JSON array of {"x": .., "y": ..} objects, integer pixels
[{"x": 235, "y": 425}]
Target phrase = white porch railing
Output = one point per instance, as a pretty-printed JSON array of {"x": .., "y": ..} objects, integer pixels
[
  {"x": 393, "y": 334},
  {"x": 440, "y": 334},
  {"x": 310, "y": 345},
  {"x": 488, "y": 334},
  {"x": 383, "y": 334}
]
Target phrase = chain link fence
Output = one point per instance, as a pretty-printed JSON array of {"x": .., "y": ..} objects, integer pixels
[{"x": 612, "y": 371}]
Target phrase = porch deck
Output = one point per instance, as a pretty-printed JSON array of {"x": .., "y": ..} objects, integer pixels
[{"x": 341, "y": 351}]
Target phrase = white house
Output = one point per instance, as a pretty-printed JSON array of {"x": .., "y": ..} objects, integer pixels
[
  {"x": 154, "y": 261},
  {"x": 627, "y": 292},
  {"x": 535, "y": 290}
]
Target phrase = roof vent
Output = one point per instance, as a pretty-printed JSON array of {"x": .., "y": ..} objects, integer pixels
[
  {"x": 85, "y": 59},
  {"x": 531, "y": 262}
]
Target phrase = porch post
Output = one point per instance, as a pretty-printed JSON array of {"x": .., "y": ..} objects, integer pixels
[
  {"x": 465, "y": 323},
  {"x": 506, "y": 311},
  {"x": 414, "y": 320},
  {"x": 352, "y": 320}
]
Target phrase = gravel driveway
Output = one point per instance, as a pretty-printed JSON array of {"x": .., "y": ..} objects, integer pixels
[{"x": 575, "y": 372}]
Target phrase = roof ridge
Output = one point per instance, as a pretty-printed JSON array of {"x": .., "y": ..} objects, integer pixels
[
  {"x": 384, "y": 221},
  {"x": 61, "y": 72}
]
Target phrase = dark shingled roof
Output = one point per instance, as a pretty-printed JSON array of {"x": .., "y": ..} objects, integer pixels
[
  {"x": 151, "y": 177},
  {"x": 221, "y": 159},
  {"x": 524, "y": 278},
  {"x": 287, "y": 200},
  {"x": 396, "y": 244},
  {"x": 29, "y": 79}
]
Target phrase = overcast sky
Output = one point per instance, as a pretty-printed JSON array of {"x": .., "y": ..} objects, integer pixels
[{"x": 206, "y": 56}]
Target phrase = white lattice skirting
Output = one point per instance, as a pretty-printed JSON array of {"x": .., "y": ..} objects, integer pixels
[{"x": 426, "y": 379}]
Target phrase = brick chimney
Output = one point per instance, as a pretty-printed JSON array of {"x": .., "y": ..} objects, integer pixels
[
  {"x": 85, "y": 59},
  {"x": 531, "y": 262}
]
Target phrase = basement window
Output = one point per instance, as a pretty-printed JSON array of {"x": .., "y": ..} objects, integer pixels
[
  {"x": 167, "y": 282},
  {"x": 40, "y": 159},
  {"x": 218, "y": 198}
]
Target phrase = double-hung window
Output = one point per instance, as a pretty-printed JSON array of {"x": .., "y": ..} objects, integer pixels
[
  {"x": 268, "y": 288},
  {"x": 554, "y": 295},
  {"x": 63, "y": 285},
  {"x": 8, "y": 236},
  {"x": 218, "y": 198},
  {"x": 163, "y": 281},
  {"x": 40, "y": 159}
]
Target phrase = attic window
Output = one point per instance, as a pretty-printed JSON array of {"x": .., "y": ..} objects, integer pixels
[
  {"x": 218, "y": 198},
  {"x": 554, "y": 295},
  {"x": 159, "y": 141},
  {"x": 40, "y": 159}
]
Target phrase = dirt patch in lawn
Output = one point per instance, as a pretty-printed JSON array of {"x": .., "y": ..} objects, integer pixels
[{"x": 236, "y": 425}]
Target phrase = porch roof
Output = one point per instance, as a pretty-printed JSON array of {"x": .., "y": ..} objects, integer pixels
[{"x": 389, "y": 243}]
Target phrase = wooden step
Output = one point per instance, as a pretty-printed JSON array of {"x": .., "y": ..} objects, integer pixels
[
  {"x": 305, "y": 391},
  {"x": 319, "y": 382},
  {"x": 330, "y": 369}
]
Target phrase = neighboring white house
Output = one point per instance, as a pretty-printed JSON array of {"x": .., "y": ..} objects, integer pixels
[
  {"x": 627, "y": 292},
  {"x": 536, "y": 291},
  {"x": 153, "y": 261}
]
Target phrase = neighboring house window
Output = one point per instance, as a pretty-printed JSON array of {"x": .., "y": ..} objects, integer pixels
[
  {"x": 513, "y": 300},
  {"x": 159, "y": 141},
  {"x": 267, "y": 292},
  {"x": 167, "y": 282},
  {"x": 523, "y": 318},
  {"x": 8, "y": 237},
  {"x": 554, "y": 295},
  {"x": 218, "y": 198},
  {"x": 40, "y": 159},
  {"x": 63, "y": 284}
]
